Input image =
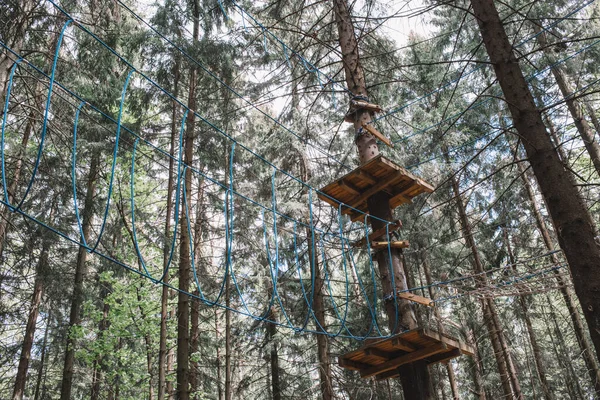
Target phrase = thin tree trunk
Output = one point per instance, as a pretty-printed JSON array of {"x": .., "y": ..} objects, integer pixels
[
  {"x": 524, "y": 303},
  {"x": 274, "y": 357},
  {"x": 318, "y": 304},
  {"x": 164, "y": 300},
  {"x": 34, "y": 309},
  {"x": 80, "y": 274},
  {"x": 575, "y": 108},
  {"x": 487, "y": 306},
  {"x": 578, "y": 324},
  {"x": 438, "y": 318},
  {"x": 576, "y": 231},
  {"x": 183, "y": 302},
  {"x": 228, "y": 388},
  {"x": 40, "y": 373},
  {"x": 97, "y": 368},
  {"x": 415, "y": 378},
  {"x": 477, "y": 370}
]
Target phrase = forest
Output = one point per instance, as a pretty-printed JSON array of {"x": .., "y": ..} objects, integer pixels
[{"x": 311, "y": 199}]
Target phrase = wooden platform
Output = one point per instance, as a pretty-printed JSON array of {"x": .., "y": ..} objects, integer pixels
[
  {"x": 379, "y": 174},
  {"x": 382, "y": 358}
]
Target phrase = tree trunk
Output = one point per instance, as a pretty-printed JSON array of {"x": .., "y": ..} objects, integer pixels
[
  {"x": 477, "y": 370},
  {"x": 34, "y": 309},
  {"x": 183, "y": 301},
  {"x": 318, "y": 304},
  {"x": 97, "y": 369},
  {"x": 438, "y": 318},
  {"x": 525, "y": 303},
  {"x": 80, "y": 274},
  {"x": 415, "y": 378},
  {"x": 578, "y": 324},
  {"x": 572, "y": 221},
  {"x": 274, "y": 356},
  {"x": 38, "y": 394},
  {"x": 575, "y": 108},
  {"x": 488, "y": 306},
  {"x": 228, "y": 388},
  {"x": 164, "y": 300}
]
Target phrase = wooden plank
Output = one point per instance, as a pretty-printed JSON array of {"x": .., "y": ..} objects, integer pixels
[
  {"x": 402, "y": 360},
  {"x": 349, "y": 187},
  {"x": 371, "y": 129},
  {"x": 353, "y": 365},
  {"x": 402, "y": 344},
  {"x": 358, "y": 104},
  {"x": 376, "y": 188},
  {"x": 398, "y": 244},
  {"x": 378, "y": 233},
  {"x": 416, "y": 298},
  {"x": 366, "y": 177},
  {"x": 448, "y": 340},
  {"x": 377, "y": 353},
  {"x": 444, "y": 357}
]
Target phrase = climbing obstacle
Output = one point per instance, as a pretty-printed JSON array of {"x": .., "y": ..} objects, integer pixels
[
  {"x": 350, "y": 194},
  {"x": 382, "y": 358},
  {"x": 380, "y": 174}
]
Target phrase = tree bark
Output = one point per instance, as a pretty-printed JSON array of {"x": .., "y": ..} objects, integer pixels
[
  {"x": 34, "y": 310},
  {"x": 183, "y": 299},
  {"x": 164, "y": 300},
  {"x": 318, "y": 304},
  {"x": 274, "y": 357},
  {"x": 487, "y": 305},
  {"x": 415, "y": 378},
  {"x": 40, "y": 373},
  {"x": 525, "y": 303},
  {"x": 80, "y": 274},
  {"x": 578, "y": 325},
  {"x": 438, "y": 318},
  {"x": 575, "y": 108},
  {"x": 572, "y": 221}
]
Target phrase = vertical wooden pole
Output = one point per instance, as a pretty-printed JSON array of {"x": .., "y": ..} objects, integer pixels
[{"x": 416, "y": 381}]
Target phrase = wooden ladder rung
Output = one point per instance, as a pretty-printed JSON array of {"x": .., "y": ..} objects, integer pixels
[
  {"x": 371, "y": 129},
  {"x": 378, "y": 233},
  {"x": 416, "y": 298},
  {"x": 398, "y": 244}
]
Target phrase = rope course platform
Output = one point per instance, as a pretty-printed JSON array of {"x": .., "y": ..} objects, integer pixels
[
  {"x": 378, "y": 175},
  {"x": 382, "y": 358}
]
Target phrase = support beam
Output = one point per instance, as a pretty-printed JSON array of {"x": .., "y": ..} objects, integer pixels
[{"x": 402, "y": 360}]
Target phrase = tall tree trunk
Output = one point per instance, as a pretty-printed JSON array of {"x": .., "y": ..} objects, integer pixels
[
  {"x": 438, "y": 318},
  {"x": 575, "y": 108},
  {"x": 489, "y": 314},
  {"x": 80, "y": 274},
  {"x": 318, "y": 303},
  {"x": 415, "y": 378},
  {"x": 40, "y": 372},
  {"x": 274, "y": 357},
  {"x": 34, "y": 309},
  {"x": 578, "y": 325},
  {"x": 228, "y": 383},
  {"x": 525, "y": 303},
  {"x": 183, "y": 301},
  {"x": 97, "y": 368},
  {"x": 477, "y": 366},
  {"x": 164, "y": 300},
  {"x": 572, "y": 221}
]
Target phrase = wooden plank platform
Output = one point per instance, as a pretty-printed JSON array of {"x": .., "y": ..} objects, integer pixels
[
  {"x": 382, "y": 358},
  {"x": 379, "y": 174}
]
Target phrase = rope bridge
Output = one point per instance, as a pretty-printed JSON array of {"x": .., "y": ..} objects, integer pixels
[{"x": 293, "y": 246}]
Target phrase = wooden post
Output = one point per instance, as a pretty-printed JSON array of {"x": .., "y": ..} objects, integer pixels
[{"x": 415, "y": 377}]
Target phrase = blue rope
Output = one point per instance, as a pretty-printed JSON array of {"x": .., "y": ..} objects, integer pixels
[
  {"x": 4, "y": 119},
  {"x": 46, "y": 113}
]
